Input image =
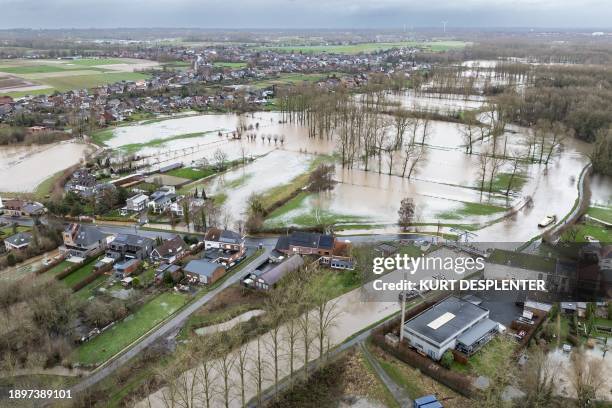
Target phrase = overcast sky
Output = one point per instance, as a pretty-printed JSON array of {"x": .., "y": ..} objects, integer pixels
[{"x": 304, "y": 13}]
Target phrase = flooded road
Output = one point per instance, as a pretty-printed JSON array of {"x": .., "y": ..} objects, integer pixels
[{"x": 23, "y": 168}]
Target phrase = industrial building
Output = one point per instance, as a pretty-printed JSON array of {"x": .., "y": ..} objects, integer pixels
[{"x": 453, "y": 323}]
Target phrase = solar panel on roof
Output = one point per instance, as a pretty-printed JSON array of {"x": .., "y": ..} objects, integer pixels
[{"x": 440, "y": 321}]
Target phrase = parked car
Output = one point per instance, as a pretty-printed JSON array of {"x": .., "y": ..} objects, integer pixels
[{"x": 546, "y": 221}]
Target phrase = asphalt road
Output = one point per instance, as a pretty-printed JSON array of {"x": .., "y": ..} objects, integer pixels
[{"x": 173, "y": 324}]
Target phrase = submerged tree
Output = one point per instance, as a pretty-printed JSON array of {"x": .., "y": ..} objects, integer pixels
[{"x": 406, "y": 213}]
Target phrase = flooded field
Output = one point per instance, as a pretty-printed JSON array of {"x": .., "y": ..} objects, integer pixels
[
  {"x": 23, "y": 168},
  {"x": 444, "y": 184},
  {"x": 443, "y": 103}
]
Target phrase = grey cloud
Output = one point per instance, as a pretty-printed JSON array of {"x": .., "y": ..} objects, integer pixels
[{"x": 303, "y": 14}]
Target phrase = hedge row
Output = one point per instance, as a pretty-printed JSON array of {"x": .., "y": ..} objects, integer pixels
[
  {"x": 92, "y": 277},
  {"x": 74, "y": 267}
]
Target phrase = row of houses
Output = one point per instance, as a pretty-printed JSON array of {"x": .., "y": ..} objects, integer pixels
[
  {"x": 297, "y": 250},
  {"x": 15, "y": 207},
  {"x": 223, "y": 248}
]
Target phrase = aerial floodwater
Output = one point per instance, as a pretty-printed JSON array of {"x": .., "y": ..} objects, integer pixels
[{"x": 23, "y": 168}]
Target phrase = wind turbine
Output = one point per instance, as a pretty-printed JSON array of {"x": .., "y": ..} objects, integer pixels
[{"x": 444, "y": 25}]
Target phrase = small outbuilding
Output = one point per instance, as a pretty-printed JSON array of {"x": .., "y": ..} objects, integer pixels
[{"x": 202, "y": 271}]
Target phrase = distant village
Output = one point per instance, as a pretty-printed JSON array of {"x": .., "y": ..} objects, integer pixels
[{"x": 167, "y": 90}]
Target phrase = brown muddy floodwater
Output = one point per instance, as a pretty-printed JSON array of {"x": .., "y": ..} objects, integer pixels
[
  {"x": 443, "y": 182},
  {"x": 23, "y": 168}
]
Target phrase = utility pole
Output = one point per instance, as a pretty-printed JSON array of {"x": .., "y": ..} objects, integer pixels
[{"x": 403, "y": 294}]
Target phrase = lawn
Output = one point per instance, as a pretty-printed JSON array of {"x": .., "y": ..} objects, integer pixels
[
  {"x": 599, "y": 232},
  {"x": 59, "y": 268},
  {"x": 89, "y": 62},
  {"x": 7, "y": 230},
  {"x": 87, "y": 291},
  {"x": 230, "y": 64},
  {"x": 397, "y": 374},
  {"x": 78, "y": 275},
  {"x": 35, "y": 69},
  {"x": 340, "y": 281},
  {"x": 501, "y": 181},
  {"x": 601, "y": 213},
  {"x": 101, "y": 136},
  {"x": 471, "y": 209},
  {"x": 487, "y": 360},
  {"x": 89, "y": 81},
  {"x": 192, "y": 173},
  {"x": 124, "y": 333}
]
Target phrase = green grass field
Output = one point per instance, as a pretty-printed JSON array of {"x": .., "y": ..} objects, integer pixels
[
  {"x": 191, "y": 173},
  {"x": 78, "y": 275},
  {"x": 122, "y": 334},
  {"x": 599, "y": 232},
  {"x": 437, "y": 46},
  {"x": 601, "y": 213},
  {"x": 489, "y": 359},
  {"x": 90, "y": 62},
  {"x": 471, "y": 209},
  {"x": 286, "y": 79},
  {"x": 91, "y": 73},
  {"x": 229, "y": 64},
  {"x": 7, "y": 230},
  {"x": 88, "y": 290},
  {"x": 89, "y": 81},
  {"x": 59, "y": 268},
  {"x": 36, "y": 69}
]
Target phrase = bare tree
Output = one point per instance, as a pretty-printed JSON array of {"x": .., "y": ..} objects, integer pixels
[
  {"x": 220, "y": 158},
  {"x": 225, "y": 364},
  {"x": 468, "y": 131},
  {"x": 258, "y": 371},
  {"x": 483, "y": 165},
  {"x": 516, "y": 168},
  {"x": 305, "y": 322},
  {"x": 537, "y": 380},
  {"x": 241, "y": 365},
  {"x": 401, "y": 121},
  {"x": 586, "y": 377},
  {"x": 325, "y": 310},
  {"x": 275, "y": 313}
]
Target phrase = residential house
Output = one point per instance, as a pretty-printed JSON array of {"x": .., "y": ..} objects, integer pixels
[
  {"x": 560, "y": 277},
  {"x": 82, "y": 240},
  {"x": 223, "y": 246},
  {"x": 170, "y": 250},
  {"x": 129, "y": 246},
  {"x": 86, "y": 185},
  {"x": 306, "y": 243},
  {"x": 162, "y": 270},
  {"x": 202, "y": 271},
  {"x": 124, "y": 269},
  {"x": 21, "y": 208},
  {"x": 161, "y": 200},
  {"x": 137, "y": 203},
  {"x": 18, "y": 242},
  {"x": 223, "y": 239}
]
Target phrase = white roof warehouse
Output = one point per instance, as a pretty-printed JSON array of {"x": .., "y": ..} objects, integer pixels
[{"x": 449, "y": 324}]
